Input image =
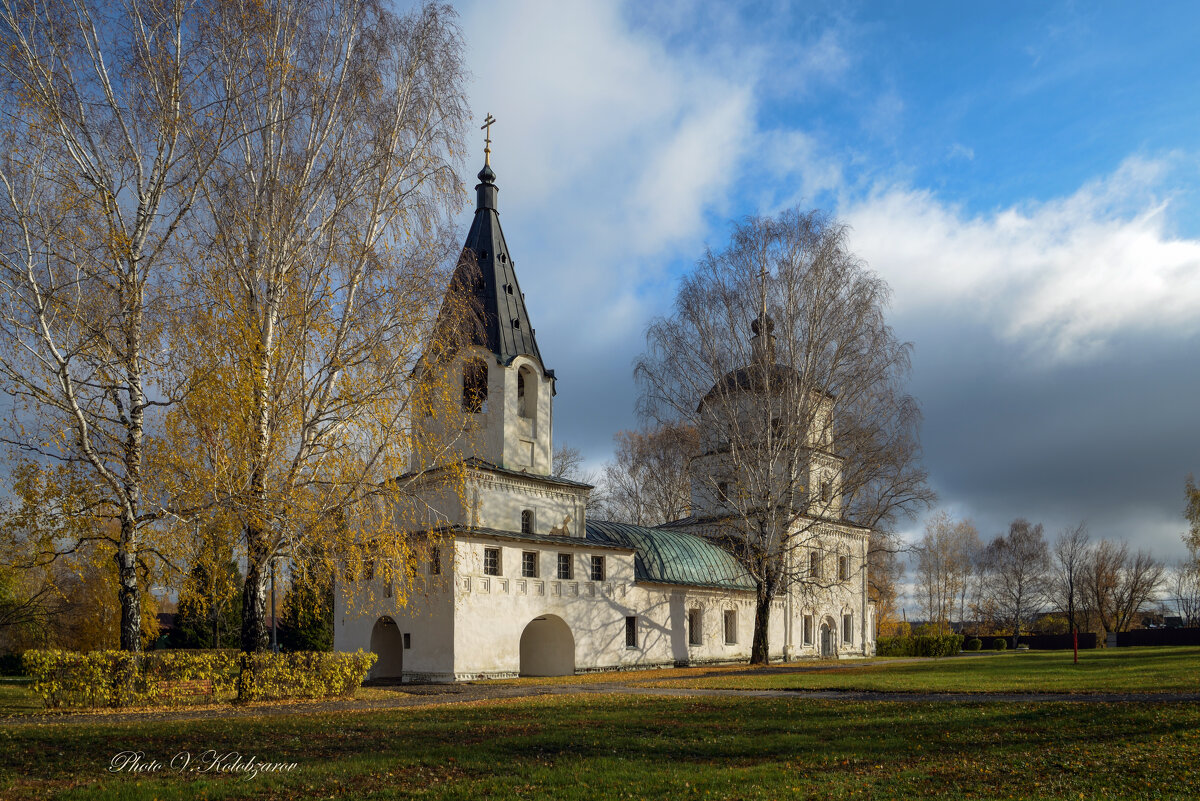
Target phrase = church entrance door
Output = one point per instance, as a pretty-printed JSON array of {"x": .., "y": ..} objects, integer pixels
[
  {"x": 389, "y": 645},
  {"x": 547, "y": 647},
  {"x": 826, "y": 640}
]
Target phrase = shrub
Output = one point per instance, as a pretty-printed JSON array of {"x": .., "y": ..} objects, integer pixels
[
  {"x": 303, "y": 674},
  {"x": 934, "y": 645},
  {"x": 69, "y": 678},
  {"x": 974, "y": 644},
  {"x": 121, "y": 678},
  {"x": 999, "y": 644},
  {"x": 220, "y": 667}
]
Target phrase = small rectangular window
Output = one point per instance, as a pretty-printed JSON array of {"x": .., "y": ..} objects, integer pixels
[
  {"x": 631, "y": 632},
  {"x": 529, "y": 564},
  {"x": 598, "y": 573},
  {"x": 844, "y": 568},
  {"x": 695, "y": 628},
  {"x": 731, "y": 627},
  {"x": 848, "y": 629},
  {"x": 527, "y": 521},
  {"x": 407, "y": 640},
  {"x": 565, "y": 566},
  {"x": 808, "y": 629},
  {"x": 814, "y": 564},
  {"x": 435, "y": 561},
  {"x": 491, "y": 561}
]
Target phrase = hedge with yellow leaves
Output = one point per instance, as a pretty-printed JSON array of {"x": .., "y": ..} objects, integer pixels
[
  {"x": 121, "y": 678},
  {"x": 303, "y": 674}
]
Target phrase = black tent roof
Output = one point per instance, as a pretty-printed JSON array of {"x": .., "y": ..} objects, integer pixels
[{"x": 486, "y": 272}]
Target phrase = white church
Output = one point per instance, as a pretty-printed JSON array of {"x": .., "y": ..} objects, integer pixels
[{"x": 524, "y": 584}]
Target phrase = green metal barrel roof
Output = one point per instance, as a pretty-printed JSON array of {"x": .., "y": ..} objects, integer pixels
[{"x": 673, "y": 557}]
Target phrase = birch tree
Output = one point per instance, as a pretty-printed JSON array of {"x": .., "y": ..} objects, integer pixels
[
  {"x": 1069, "y": 558},
  {"x": 1185, "y": 591},
  {"x": 1017, "y": 573},
  {"x": 325, "y": 237},
  {"x": 109, "y": 125},
  {"x": 1120, "y": 585},
  {"x": 885, "y": 570},
  {"x": 1192, "y": 513},
  {"x": 779, "y": 354},
  {"x": 1185, "y": 579},
  {"x": 946, "y": 559},
  {"x": 649, "y": 481}
]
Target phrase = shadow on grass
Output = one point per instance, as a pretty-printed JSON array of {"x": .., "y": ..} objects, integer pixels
[
  {"x": 1116, "y": 670},
  {"x": 561, "y": 745}
]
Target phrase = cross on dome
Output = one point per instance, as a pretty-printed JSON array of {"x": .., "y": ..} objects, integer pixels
[{"x": 487, "y": 138}]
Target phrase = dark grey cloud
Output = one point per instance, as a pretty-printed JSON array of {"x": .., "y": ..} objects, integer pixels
[{"x": 1108, "y": 440}]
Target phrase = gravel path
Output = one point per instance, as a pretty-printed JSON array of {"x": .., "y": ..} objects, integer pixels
[{"x": 926, "y": 697}]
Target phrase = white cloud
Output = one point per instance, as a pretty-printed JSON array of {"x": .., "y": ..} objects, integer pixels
[
  {"x": 623, "y": 133},
  {"x": 960, "y": 151},
  {"x": 609, "y": 149},
  {"x": 1060, "y": 278},
  {"x": 791, "y": 168}
]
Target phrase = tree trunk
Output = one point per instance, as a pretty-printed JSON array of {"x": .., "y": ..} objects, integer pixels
[
  {"x": 128, "y": 592},
  {"x": 760, "y": 653},
  {"x": 254, "y": 593}
]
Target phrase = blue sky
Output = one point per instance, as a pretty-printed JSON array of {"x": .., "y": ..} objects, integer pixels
[{"x": 1023, "y": 176}]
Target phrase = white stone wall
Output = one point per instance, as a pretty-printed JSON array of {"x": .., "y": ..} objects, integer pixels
[
  {"x": 469, "y": 624},
  {"x": 523, "y": 442},
  {"x": 499, "y": 434},
  {"x": 427, "y": 616},
  {"x": 498, "y": 500}
]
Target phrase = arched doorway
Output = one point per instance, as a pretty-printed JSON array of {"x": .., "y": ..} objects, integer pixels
[
  {"x": 826, "y": 639},
  {"x": 547, "y": 647},
  {"x": 389, "y": 645}
]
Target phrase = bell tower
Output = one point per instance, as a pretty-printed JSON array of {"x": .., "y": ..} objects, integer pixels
[{"x": 507, "y": 392}]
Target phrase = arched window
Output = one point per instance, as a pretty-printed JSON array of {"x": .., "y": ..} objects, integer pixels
[
  {"x": 475, "y": 386},
  {"x": 527, "y": 521},
  {"x": 526, "y": 393}
]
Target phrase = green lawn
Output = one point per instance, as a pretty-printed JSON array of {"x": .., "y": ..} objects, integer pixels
[
  {"x": 612, "y": 747},
  {"x": 622, "y": 746},
  {"x": 15, "y": 698},
  {"x": 1123, "y": 670}
]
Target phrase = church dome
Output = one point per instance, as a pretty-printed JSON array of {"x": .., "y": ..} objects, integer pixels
[{"x": 751, "y": 379}]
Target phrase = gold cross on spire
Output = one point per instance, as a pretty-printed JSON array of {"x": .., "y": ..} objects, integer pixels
[
  {"x": 763, "y": 276},
  {"x": 487, "y": 138}
]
